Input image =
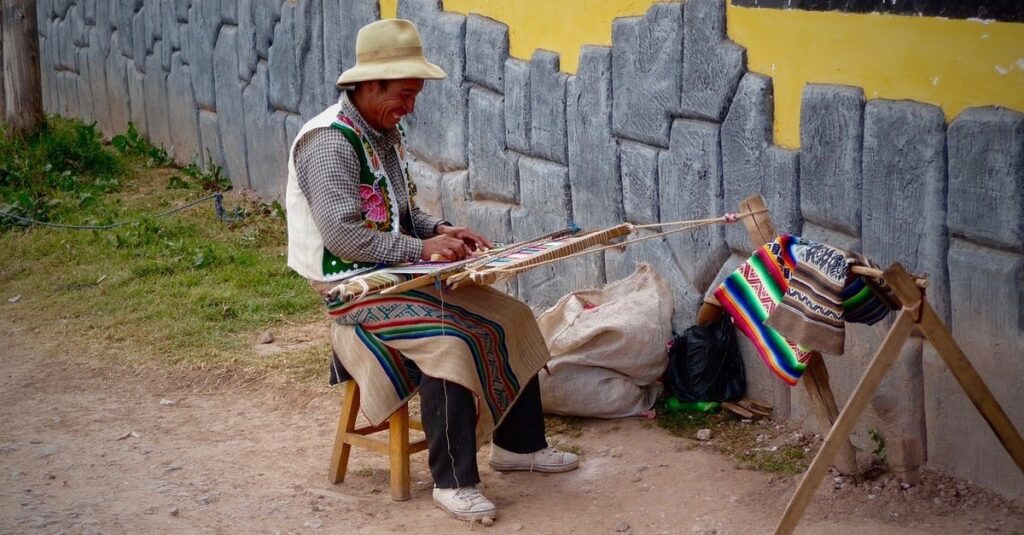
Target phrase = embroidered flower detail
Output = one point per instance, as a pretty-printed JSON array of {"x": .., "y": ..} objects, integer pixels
[
  {"x": 348, "y": 121},
  {"x": 375, "y": 206}
]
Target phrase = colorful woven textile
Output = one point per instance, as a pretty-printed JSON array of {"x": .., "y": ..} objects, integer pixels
[
  {"x": 867, "y": 299},
  {"x": 794, "y": 296},
  {"x": 811, "y": 311},
  {"x": 477, "y": 337},
  {"x": 355, "y": 288},
  {"x": 823, "y": 295},
  {"x": 753, "y": 291}
]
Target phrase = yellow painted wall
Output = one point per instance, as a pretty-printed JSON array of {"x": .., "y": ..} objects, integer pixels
[
  {"x": 954, "y": 64},
  {"x": 951, "y": 63},
  {"x": 388, "y": 9}
]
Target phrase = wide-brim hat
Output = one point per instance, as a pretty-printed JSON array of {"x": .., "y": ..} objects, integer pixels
[{"x": 390, "y": 50}]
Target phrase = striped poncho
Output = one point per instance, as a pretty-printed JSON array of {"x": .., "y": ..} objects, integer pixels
[
  {"x": 794, "y": 296},
  {"x": 751, "y": 293}
]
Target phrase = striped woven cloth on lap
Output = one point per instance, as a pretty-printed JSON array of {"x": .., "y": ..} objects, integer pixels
[
  {"x": 753, "y": 291},
  {"x": 475, "y": 336}
]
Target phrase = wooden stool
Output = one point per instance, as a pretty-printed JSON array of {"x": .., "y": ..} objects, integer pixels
[{"x": 397, "y": 447}]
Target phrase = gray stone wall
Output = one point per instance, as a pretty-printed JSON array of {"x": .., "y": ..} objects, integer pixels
[
  {"x": 664, "y": 125},
  {"x": 229, "y": 80}
]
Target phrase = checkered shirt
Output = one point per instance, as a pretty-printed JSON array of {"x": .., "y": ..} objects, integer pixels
[{"x": 327, "y": 169}]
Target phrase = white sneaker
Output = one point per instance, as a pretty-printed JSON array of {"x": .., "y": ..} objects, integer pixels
[
  {"x": 465, "y": 503},
  {"x": 546, "y": 460}
]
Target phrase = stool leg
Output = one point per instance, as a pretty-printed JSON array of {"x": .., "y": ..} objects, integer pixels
[
  {"x": 346, "y": 423},
  {"x": 399, "y": 436}
]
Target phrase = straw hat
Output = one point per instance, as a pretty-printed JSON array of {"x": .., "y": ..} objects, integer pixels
[{"x": 390, "y": 50}]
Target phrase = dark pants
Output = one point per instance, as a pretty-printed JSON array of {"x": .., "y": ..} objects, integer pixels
[{"x": 449, "y": 421}]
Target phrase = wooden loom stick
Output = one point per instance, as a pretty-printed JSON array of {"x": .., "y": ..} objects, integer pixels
[
  {"x": 921, "y": 282},
  {"x": 456, "y": 278},
  {"x": 493, "y": 275},
  {"x": 444, "y": 274},
  {"x": 507, "y": 271}
]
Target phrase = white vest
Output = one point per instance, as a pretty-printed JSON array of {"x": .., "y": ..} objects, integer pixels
[{"x": 305, "y": 243}]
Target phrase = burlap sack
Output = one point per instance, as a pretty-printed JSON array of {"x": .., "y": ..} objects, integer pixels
[{"x": 607, "y": 347}]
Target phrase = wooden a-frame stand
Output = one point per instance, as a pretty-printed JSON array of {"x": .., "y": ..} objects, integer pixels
[{"x": 916, "y": 313}]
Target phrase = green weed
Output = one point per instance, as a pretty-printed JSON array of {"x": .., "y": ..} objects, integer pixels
[
  {"x": 193, "y": 177},
  {"x": 879, "y": 440},
  {"x": 786, "y": 460},
  {"x": 62, "y": 170},
  {"x": 564, "y": 425},
  {"x": 133, "y": 145},
  {"x": 734, "y": 438}
]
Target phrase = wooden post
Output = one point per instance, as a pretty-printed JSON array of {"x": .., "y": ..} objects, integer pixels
[
  {"x": 23, "y": 92},
  {"x": 3, "y": 97},
  {"x": 823, "y": 402},
  {"x": 815, "y": 378},
  {"x": 399, "y": 437},
  {"x": 840, "y": 433},
  {"x": 904, "y": 457}
]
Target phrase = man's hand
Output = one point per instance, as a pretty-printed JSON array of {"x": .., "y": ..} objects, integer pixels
[
  {"x": 472, "y": 239},
  {"x": 444, "y": 246}
]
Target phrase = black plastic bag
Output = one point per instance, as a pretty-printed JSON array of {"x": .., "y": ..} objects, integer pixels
[{"x": 704, "y": 364}]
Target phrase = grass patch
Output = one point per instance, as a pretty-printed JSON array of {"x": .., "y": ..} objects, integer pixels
[
  {"x": 685, "y": 423},
  {"x": 568, "y": 446},
  {"x": 186, "y": 289},
  {"x": 563, "y": 425},
  {"x": 739, "y": 440},
  {"x": 59, "y": 172}
]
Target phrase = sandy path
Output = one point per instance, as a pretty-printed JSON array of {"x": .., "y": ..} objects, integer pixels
[{"x": 244, "y": 459}]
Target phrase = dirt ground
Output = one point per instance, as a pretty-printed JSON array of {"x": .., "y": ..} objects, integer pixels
[{"x": 101, "y": 448}]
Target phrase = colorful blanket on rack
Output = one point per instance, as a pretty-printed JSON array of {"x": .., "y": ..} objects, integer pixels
[
  {"x": 794, "y": 296},
  {"x": 811, "y": 311},
  {"x": 867, "y": 299},
  {"x": 753, "y": 291}
]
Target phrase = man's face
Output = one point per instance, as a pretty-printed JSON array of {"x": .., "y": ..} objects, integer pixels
[{"x": 387, "y": 102}]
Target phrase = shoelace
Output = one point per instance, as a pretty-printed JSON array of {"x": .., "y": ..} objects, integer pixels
[
  {"x": 550, "y": 452},
  {"x": 544, "y": 453},
  {"x": 470, "y": 494}
]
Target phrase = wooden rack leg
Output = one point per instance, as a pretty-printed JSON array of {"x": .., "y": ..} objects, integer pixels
[
  {"x": 972, "y": 383},
  {"x": 823, "y": 402},
  {"x": 399, "y": 437},
  {"x": 840, "y": 432}
]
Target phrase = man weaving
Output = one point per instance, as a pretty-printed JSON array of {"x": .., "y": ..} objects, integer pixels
[{"x": 474, "y": 354}]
